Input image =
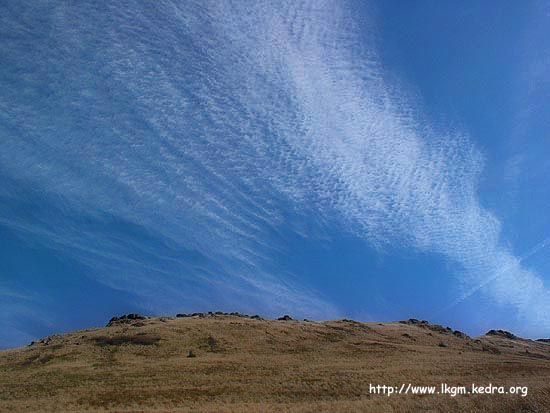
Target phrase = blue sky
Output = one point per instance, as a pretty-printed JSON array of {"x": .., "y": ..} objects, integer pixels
[{"x": 368, "y": 160}]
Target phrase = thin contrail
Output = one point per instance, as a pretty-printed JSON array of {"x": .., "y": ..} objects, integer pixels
[{"x": 476, "y": 288}]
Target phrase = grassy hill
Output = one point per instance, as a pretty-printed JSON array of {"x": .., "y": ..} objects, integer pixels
[{"x": 218, "y": 363}]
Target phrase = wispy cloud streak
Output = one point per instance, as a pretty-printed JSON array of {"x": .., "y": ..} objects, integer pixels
[{"x": 368, "y": 153}]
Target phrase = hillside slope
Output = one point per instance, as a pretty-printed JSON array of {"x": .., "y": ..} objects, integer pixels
[{"x": 219, "y": 363}]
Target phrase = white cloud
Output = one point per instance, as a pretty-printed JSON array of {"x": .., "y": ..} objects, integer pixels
[{"x": 375, "y": 159}]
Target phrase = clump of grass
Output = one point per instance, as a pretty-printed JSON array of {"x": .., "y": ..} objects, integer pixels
[
  {"x": 212, "y": 343},
  {"x": 144, "y": 340},
  {"x": 490, "y": 349}
]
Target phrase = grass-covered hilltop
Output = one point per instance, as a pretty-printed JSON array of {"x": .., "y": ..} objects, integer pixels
[{"x": 217, "y": 362}]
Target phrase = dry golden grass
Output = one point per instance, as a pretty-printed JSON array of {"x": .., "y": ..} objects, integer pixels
[{"x": 247, "y": 365}]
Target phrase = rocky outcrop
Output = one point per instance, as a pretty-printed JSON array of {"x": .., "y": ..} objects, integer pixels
[
  {"x": 502, "y": 333},
  {"x": 181, "y": 315},
  {"x": 429, "y": 326},
  {"x": 125, "y": 319},
  {"x": 218, "y": 313},
  {"x": 460, "y": 334}
]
